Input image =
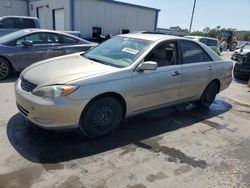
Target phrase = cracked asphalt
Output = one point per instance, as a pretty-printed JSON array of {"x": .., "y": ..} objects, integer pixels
[{"x": 170, "y": 147}]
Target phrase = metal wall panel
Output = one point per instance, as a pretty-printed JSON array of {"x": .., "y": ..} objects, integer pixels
[
  {"x": 51, "y": 5},
  {"x": 111, "y": 17},
  {"x": 13, "y": 7}
]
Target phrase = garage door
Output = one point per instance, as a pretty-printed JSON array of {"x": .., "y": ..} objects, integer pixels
[
  {"x": 59, "y": 19},
  {"x": 41, "y": 14}
]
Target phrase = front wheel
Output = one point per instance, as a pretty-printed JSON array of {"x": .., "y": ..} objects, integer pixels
[
  {"x": 5, "y": 69},
  {"x": 208, "y": 95},
  {"x": 101, "y": 117}
]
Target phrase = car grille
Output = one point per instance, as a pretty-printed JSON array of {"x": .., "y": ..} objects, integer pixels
[
  {"x": 237, "y": 56},
  {"x": 27, "y": 86},
  {"x": 22, "y": 110}
]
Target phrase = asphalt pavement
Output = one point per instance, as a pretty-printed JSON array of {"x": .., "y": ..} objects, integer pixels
[{"x": 171, "y": 147}]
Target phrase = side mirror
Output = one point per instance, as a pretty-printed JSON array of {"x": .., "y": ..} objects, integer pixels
[
  {"x": 27, "y": 43},
  {"x": 148, "y": 65}
]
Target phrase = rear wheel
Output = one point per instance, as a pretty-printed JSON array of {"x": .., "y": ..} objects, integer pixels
[
  {"x": 101, "y": 117},
  {"x": 5, "y": 69},
  {"x": 208, "y": 95}
]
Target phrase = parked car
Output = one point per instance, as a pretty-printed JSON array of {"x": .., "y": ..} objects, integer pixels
[
  {"x": 22, "y": 48},
  {"x": 242, "y": 68},
  {"x": 124, "y": 76},
  {"x": 239, "y": 53},
  {"x": 9, "y": 24},
  {"x": 213, "y": 43}
]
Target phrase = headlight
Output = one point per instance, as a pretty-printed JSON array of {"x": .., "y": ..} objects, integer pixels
[{"x": 54, "y": 91}]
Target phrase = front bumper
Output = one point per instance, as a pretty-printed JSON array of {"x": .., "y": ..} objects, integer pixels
[
  {"x": 242, "y": 70},
  {"x": 51, "y": 114}
]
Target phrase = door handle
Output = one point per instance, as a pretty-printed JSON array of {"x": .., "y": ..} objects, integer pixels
[
  {"x": 210, "y": 68},
  {"x": 176, "y": 73}
]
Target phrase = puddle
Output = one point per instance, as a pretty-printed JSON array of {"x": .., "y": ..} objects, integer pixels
[
  {"x": 128, "y": 149},
  {"x": 173, "y": 155},
  {"x": 216, "y": 126},
  {"x": 242, "y": 111},
  {"x": 21, "y": 178},
  {"x": 182, "y": 170},
  {"x": 137, "y": 186},
  {"x": 56, "y": 166},
  {"x": 72, "y": 181},
  {"x": 158, "y": 176}
]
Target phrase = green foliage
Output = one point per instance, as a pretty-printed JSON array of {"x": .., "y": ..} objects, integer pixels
[
  {"x": 207, "y": 32},
  {"x": 246, "y": 37},
  {"x": 198, "y": 33}
]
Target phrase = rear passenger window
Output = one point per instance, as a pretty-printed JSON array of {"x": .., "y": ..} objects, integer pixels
[
  {"x": 29, "y": 23},
  {"x": 193, "y": 53},
  {"x": 68, "y": 40}
]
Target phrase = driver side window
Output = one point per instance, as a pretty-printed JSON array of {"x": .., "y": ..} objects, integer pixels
[{"x": 164, "y": 54}]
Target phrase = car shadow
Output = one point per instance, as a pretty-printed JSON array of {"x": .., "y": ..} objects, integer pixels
[
  {"x": 11, "y": 79},
  {"x": 47, "y": 146}
]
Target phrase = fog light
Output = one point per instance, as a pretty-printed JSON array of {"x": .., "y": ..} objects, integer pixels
[{"x": 43, "y": 121}]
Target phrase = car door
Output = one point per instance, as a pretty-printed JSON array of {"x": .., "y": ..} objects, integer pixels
[
  {"x": 197, "y": 69},
  {"x": 42, "y": 47},
  {"x": 161, "y": 86}
]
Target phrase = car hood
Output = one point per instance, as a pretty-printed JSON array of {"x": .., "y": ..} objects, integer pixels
[
  {"x": 245, "y": 51},
  {"x": 64, "y": 69}
]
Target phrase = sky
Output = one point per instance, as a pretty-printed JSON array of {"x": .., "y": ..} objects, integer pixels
[{"x": 208, "y": 13}]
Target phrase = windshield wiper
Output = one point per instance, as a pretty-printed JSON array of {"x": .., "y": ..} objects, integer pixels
[{"x": 97, "y": 60}]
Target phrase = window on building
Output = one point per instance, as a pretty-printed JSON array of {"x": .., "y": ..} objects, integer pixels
[
  {"x": 193, "y": 53},
  {"x": 164, "y": 54},
  {"x": 125, "y": 31},
  {"x": 96, "y": 32},
  {"x": 7, "y": 3}
]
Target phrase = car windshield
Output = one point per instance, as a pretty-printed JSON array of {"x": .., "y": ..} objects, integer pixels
[
  {"x": 247, "y": 47},
  {"x": 118, "y": 51},
  {"x": 9, "y": 37}
]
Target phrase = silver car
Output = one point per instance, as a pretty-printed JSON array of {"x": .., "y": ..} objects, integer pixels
[
  {"x": 122, "y": 77},
  {"x": 20, "y": 49}
]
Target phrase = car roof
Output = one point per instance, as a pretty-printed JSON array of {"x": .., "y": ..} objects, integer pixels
[
  {"x": 151, "y": 37},
  {"x": 200, "y": 37},
  {"x": 52, "y": 31},
  {"x": 26, "y": 17}
]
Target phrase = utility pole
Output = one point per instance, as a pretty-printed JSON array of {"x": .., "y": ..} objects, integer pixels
[{"x": 191, "y": 22}]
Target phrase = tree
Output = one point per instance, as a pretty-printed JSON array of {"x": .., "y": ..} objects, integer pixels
[
  {"x": 246, "y": 36},
  {"x": 214, "y": 33},
  {"x": 218, "y": 27},
  {"x": 197, "y": 33},
  {"x": 206, "y": 30}
]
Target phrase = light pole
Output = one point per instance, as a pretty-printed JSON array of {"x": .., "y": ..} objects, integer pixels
[{"x": 191, "y": 22}]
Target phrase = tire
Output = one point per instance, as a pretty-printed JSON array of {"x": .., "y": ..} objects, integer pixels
[
  {"x": 5, "y": 69},
  {"x": 237, "y": 73},
  {"x": 101, "y": 117},
  {"x": 208, "y": 95}
]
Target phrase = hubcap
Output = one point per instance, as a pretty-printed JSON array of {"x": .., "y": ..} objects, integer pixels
[
  {"x": 3, "y": 70},
  {"x": 103, "y": 118}
]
